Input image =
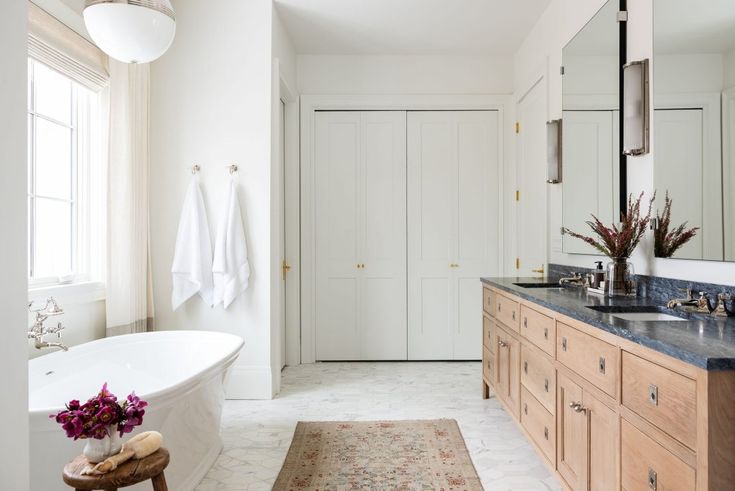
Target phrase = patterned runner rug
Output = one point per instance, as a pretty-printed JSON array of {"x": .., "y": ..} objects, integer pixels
[{"x": 378, "y": 455}]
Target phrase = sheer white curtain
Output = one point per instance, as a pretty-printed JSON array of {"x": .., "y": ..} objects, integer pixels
[{"x": 129, "y": 289}]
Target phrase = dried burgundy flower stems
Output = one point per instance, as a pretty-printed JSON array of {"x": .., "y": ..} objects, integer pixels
[
  {"x": 668, "y": 242},
  {"x": 619, "y": 241}
]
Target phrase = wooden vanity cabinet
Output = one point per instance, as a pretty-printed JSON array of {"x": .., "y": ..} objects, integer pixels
[{"x": 607, "y": 414}]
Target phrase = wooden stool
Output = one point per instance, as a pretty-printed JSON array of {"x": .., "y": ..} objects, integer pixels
[{"x": 129, "y": 473}]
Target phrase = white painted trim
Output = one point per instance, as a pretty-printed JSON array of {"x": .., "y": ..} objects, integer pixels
[
  {"x": 310, "y": 104},
  {"x": 71, "y": 294}
]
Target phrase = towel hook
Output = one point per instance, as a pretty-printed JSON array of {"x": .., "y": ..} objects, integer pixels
[
  {"x": 233, "y": 168},
  {"x": 195, "y": 168}
]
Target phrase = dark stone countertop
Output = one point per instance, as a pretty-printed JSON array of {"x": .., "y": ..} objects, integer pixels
[{"x": 703, "y": 341}]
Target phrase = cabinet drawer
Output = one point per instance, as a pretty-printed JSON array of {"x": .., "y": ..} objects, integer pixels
[
  {"x": 589, "y": 357},
  {"x": 539, "y": 423},
  {"x": 488, "y": 301},
  {"x": 664, "y": 398},
  {"x": 488, "y": 365},
  {"x": 538, "y": 376},
  {"x": 507, "y": 311},
  {"x": 647, "y": 466},
  {"x": 487, "y": 331},
  {"x": 538, "y": 328}
]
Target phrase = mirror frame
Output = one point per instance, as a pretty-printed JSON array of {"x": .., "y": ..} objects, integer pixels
[{"x": 623, "y": 60}]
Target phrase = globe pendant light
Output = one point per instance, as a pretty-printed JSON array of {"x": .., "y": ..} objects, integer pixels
[{"x": 131, "y": 31}]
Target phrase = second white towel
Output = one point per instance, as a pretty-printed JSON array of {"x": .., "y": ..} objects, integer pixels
[{"x": 230, "y": 266}]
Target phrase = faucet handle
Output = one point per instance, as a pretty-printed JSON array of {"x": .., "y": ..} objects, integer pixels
[{"x": 688, "y": 291}]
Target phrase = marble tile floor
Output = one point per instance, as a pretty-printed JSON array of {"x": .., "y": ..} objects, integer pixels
[{"x": 257, "y": 434}]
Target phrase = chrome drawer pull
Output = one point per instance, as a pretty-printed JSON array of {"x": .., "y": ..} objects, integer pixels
[
  {"x": 525, "y": 366},
  {"x": 602, "y": 366},
  {"x": 652, "y": 479},
  {"x": 546, "y": 384},
  {"x": 514, "y": 315},
  {"x": 564, "y": 344},
  {"x": 525, "y": 322},
  {"x": 498, "y": 307},
  {"x": 546, "y": 432},
  {"x": 546, "y": 333},
  {"x": 653, "y": 394},
  {"x": 525, "y": 409}
]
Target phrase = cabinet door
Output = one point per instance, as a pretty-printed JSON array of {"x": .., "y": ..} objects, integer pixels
[
  {"x": 507, "y": 370},
  {"x": 453, "y": 222},
  {"x": 604, "y": 445},
  {"x": 571, "y": 434}
]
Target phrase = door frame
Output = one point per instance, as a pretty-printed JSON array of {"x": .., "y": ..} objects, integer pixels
[{"x": 310, "y": 105}]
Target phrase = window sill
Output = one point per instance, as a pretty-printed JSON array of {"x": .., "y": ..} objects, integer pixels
[{"x": 72, "y": 293}]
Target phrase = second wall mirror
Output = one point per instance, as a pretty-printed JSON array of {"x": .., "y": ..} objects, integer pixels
[
  {"x": 694, "y": 121},
  {"x": 591, "y": 146}
]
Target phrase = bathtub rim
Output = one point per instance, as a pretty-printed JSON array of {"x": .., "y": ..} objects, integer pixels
[{"x": 171, "y": 392}]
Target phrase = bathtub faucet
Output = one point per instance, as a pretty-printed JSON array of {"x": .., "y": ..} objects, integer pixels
[{"x": 38, "y": 330}]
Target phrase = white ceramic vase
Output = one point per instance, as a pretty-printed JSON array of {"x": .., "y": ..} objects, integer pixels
[{"x": 98, "y": 450}]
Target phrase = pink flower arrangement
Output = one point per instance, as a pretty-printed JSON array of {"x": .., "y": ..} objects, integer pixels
[{"x": 94, "y": 418}]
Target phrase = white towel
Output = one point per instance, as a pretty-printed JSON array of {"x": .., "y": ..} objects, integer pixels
[
  {"x": 192, "y": 267},
  {"x": 230, "y": 267}
]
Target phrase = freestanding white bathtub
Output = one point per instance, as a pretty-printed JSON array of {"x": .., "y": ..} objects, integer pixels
[{"x": 180, "y": 373}]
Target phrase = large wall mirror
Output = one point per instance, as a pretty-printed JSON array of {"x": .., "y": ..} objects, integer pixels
[
  {"x": 591, "y": 149},
  {"x": 694, "y": 121}
]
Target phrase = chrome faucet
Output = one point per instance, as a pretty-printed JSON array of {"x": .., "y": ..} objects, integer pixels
[
  {"x": 575, "y": 279},
  {"x": 682, "y": 302},
  {"x": 37, "y": 331}
]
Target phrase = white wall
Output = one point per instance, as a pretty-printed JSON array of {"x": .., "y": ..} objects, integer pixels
[
  {"x": 352, "y": 75},
  {"x": 211, "y": 105},
  {"x": 541, "y": 55},
  {"x": 13, "y": 248}
]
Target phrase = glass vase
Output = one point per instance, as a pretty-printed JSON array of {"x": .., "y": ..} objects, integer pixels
[
  {"x": 621, "y": 280},
  {"x": 97, "y": 451}
]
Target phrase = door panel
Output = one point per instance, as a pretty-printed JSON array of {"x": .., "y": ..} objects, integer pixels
[
  {"x": 383, "y": 236},
  {"x": 590, "y": 163},
  {"x": 452, "y": 228},
  {"x": 604, "y": 446},
  {"x": 360, "y": 162},
  {"x": 337, "y": 169}
]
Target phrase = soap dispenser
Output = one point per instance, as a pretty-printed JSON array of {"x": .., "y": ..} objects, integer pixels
[{"x": 599, "y": 276}]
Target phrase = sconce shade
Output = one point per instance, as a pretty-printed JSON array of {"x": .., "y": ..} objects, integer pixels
[
  {"x": 636, "y": 122},
  {"x": 553, "y": 151},
  {"x": 131, "y": 31}
]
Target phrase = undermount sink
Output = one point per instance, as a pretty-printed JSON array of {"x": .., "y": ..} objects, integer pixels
[
  {"x": 640, "y": 313},
  {"x": 538, "y": 285}
]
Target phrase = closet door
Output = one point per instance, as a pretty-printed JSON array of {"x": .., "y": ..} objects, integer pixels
[
  {"x": 360, "y": 194},
  {"x": 453, "y": 163}
]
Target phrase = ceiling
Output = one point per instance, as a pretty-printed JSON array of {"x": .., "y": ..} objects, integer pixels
[{"x": 409, "y": 27}]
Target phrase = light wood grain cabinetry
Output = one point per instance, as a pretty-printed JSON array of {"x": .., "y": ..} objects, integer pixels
[
  {"x": 622, "y": 416},
  {"x": 507, "y": 370}
]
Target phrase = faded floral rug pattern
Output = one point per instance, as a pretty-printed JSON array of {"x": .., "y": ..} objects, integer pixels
[{"x": 378, "y": 455}]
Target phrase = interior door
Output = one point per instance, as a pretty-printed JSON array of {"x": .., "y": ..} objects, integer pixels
[
  {"x": 453, "y": 190},
  {"x": 531, "y": 210},
  {"x": 590, "y": 168},
  {"x": 360, "y": 172}
]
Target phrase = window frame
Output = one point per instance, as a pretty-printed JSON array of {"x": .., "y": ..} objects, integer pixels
[{"x": 87, "y": 207}]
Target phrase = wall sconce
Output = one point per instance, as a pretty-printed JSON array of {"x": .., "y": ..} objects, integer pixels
[
  {"x": 636, "y": 124},
  {"x": 553, "y": 151}
]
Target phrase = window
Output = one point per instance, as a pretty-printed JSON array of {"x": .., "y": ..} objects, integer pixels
[{"x": 65, "y": 179}]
